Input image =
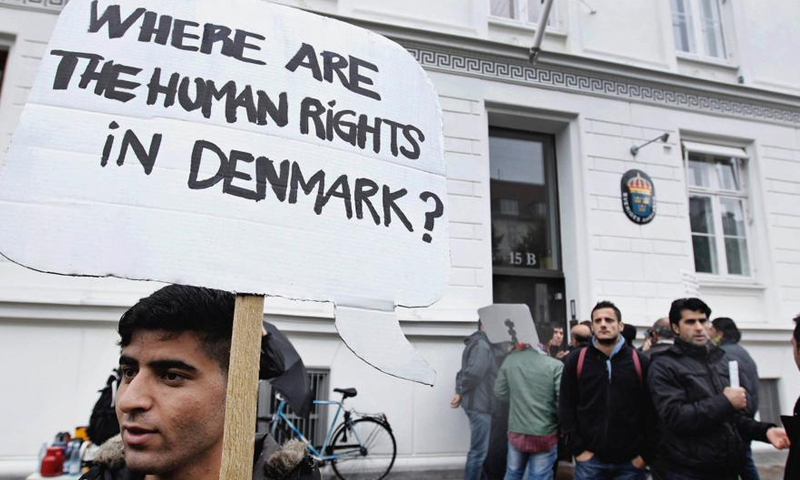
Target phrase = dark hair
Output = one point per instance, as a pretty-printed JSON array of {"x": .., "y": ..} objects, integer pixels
[
  {"x": 727, "y": 326},
  {"x": 797, "y": 330},
  {"x": 178, "y": 308},
  {"x": 629, "y": 334},
  {"x": 663, "y": 329},
  {"x": 607, "y": 304},
  {"x": 692, "y": 304}
]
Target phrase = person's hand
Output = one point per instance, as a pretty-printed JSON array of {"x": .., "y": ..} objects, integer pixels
[
  {"x": 585, "y": 456},
  {"x": 455, "y": 402},
  {"x": 737, "y": 397},
  {"x": 562, "y": 354},
  {"x": 639, "y": 463},
  {"x": 778, "y": 438},
  {"x": 648, "y": 343}
]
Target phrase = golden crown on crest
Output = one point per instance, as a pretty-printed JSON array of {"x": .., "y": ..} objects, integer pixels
[{"x": 640, "y": 185}]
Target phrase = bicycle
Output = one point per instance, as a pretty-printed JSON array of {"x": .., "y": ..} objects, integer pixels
[{"x": 360, "y": 449}]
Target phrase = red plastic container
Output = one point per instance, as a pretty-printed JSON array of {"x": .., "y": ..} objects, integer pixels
[{"x": 53, "y": 462}]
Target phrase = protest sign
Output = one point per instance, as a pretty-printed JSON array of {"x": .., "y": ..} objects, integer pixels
[
  {"x": 509, "y": 323},
  {"x": 238, "y": 145}
]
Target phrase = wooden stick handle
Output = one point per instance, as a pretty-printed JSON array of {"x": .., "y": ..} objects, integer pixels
[{"x": 240, "y": 406}]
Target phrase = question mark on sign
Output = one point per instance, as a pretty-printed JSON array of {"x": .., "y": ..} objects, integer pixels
[{"x": 430, "y": 217}]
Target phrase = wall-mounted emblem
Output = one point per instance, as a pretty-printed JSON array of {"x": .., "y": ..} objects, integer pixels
[{"x": 638, "y": 196}]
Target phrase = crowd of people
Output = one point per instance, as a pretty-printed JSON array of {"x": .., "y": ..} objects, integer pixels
[{"x": 668, "y": 409}]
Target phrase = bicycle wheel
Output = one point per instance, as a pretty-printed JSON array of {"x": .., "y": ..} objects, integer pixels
[{"x": 365, "y": 451}]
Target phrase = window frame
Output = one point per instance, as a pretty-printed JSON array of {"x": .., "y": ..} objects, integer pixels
[
  {"x": 694, "y": 19},
  {"x": 716, "y": 192},
  {"x": 520, "y": 17}
]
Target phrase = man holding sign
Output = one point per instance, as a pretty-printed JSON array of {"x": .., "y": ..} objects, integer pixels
[
  {"x": 704, "y": 429},
  {"x": 171, "y": 401}
]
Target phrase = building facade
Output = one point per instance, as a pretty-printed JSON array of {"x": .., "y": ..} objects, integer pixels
[{"x": 535, "y": 158}]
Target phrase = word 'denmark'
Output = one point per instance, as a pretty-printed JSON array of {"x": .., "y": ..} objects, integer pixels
[{"x": 147, "y": 157}]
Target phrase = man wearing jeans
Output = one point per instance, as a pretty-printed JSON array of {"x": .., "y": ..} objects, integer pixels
[
  {"x": 605, "y": 410},
  {"x": 474, "y": 393},
  {"x": 529, "y": 381}
]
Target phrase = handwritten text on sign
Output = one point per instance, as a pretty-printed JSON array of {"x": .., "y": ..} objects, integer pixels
[{"x": 285, "y": 141}]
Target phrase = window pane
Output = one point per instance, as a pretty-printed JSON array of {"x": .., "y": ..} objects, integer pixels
[
  {"x": 726, "y": 174},
  {"x": 705, "y": 254},
  {"x": 712, "y": 28},
  {"x": 699, "y": 171},
  {"x": 732, "y": 217},
  {"x": 736, "y": 254},
  {"x": 682, "y": 26},
  {"x": 502, "y": 8},
  {"x": 700, "y": 215},
  {"x": 523, "y": 200},
  {"x": 534, "y": 9}
]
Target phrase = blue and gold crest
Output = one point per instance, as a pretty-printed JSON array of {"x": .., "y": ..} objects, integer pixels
[{"x": 638, "y": 196}]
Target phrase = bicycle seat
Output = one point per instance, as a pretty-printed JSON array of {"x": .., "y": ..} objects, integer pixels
[{"x": 346, "y": 392}]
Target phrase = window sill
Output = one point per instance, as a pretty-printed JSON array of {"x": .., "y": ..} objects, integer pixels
[
  {"x": 710, "y": 281},
  {"x": 525, "y": 27},
  {"x": 698, "y": 60}
]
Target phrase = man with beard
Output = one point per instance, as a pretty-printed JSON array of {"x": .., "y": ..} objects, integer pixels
[
  {"x": 171, "y": 400},
  {"x": 604, "y": 409},
  {"x": 703, "y": 426}
]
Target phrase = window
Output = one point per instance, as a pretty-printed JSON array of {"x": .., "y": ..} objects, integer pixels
[
  {"x": 3, "y": 58},
  {"x": 314, "y": 427},
  {"x": 697, "y": 27},
  {"x": 524, "y": 10},
  {"x": 718, "y": 209}
]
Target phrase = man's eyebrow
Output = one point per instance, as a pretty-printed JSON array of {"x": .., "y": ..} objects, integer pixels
[
  {"x": 168, "y": 363},
  {"x": 128, "y": 361}
]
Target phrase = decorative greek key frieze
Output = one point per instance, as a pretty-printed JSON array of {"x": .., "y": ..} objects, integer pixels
[{"x": 586, "y": 82}]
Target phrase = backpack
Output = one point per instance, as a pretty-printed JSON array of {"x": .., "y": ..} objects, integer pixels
[
  {"x": 103, "y": 423},
  {"x": 636, "y": 363}
]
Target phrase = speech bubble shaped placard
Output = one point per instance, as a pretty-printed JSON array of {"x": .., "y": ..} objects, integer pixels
[
  {"x": 239, "y": 145},
  {"x": 509, "y": 322}
]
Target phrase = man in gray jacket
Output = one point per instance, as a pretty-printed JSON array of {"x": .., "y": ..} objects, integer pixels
[
  {"x": 725, "y": 333},
  {"x": 474, "y": 384}
]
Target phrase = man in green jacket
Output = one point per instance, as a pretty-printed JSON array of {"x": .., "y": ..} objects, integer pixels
[{"x": 530, "y": 381}]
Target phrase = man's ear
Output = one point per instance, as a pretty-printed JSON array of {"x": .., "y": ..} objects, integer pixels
[{"x": 675, "y": 329}]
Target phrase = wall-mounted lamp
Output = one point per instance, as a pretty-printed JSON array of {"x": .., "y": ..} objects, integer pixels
[
  {"x": 663, "y": 138},
  {"x": 572, "y": 310}
]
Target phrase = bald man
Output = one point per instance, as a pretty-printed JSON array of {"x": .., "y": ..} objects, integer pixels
[{"x": 579, "y": 336}]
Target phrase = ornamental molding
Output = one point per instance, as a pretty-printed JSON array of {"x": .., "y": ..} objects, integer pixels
[
  {"x": 715, "y": 99},
  {"x": 52, "y": 6}
]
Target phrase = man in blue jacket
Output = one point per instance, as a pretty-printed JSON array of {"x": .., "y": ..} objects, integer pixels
[{"x": 474, "y": 385}]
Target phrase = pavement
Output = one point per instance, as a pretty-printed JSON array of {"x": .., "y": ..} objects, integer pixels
[{"x": 770, "y": 466}]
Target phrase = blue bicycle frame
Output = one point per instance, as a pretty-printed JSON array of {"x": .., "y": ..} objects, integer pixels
[{"x": 319, "y": 454}]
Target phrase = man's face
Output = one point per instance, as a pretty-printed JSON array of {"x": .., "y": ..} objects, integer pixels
[
  {"x": 692, "y": 327},
  {"x": 714, "y": 334},
  {"x": 558, "y": 336},
  {"x": 605, "y": 325},
  {"x": 170, "y": 405}
]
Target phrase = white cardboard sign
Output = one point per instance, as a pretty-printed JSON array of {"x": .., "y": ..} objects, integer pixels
[
  {"x": 509, "y": 322},
  {"x": 238, "y": 145}
]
